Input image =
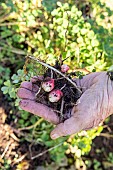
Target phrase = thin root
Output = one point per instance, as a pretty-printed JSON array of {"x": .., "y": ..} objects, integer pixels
[{"x": 57, "y": 71}]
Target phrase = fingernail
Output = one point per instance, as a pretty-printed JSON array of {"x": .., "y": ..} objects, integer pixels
[
  {"x": 23, "y": 103},
  {"x": 54, "y": 136}
]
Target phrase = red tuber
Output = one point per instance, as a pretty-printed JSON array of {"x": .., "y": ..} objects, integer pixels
[
  {"x": 64, "y": 68},
  {"x": 55, "y": 95},
  {"x": 48, "y": 85}
]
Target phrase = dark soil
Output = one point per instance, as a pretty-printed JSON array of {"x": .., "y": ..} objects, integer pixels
[
  {"x": 102, "y": 145},
  {"x": 101, "y": 148},
  {"x": 70, "y": 93},
  {"x": 11, "y": 139}
]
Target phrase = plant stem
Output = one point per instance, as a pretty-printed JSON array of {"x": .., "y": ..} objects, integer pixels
[
  {"x": 32, "y": 126},
  {"x": 42, "y": 153},
  {"x": 54, "y": 69}
]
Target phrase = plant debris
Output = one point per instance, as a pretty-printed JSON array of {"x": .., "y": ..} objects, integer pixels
[{"x": 57, "y": 89}]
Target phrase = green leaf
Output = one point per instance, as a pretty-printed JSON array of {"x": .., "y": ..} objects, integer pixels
[
  {"x": 79, "y": 13},
  {"x": 33, "y": 119},
  {"x": 84, "y": 31},
  {"x": 21, "y": 122},
  {"x": 25, "y": 115},
  {"x": 54, "y": 12},
  {"x": 12, "y": 93},
  {"x": 4, "y": 89},
  {"x": 17, "y": 101},
  {"x": 80, "y": 40},
  {"x": 110, "y": 68},
  {"x": 73, "y": 9},
  {"x": 20, "y": 72},
  {"x": 35, "y": 12},
  {"x": 90, "y": 34},
  {"x": 15, "y": 81},
  {"x": 94, "y": 42},
  {"x": 45, "y": 29},
  {"x": 7, "y": 83},
  {"x": 59, "y": 4}
]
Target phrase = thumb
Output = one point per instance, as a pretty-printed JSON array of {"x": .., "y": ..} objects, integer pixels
[
  {"x": 88, "y": 80},
  {"x": 68, "y": 127},
  {"x": 88, "y": 113}
]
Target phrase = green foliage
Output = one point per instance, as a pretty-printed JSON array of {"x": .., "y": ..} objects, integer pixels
[
  {"x": 52, "y": 31},
  {"x": 4, "y": 74},
  {"x": 103, "y": 27},
  {"x": 97, "y": 165},
  {"x": 10, "y": 88},
  {"x": 6, "y": 164},
  {"x": 81, "y": 143},
  {"x": 110, "y": 157},
  {"x": 49, "y": 5}
]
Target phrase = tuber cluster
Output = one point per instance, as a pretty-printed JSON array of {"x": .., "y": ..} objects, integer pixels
[{"x": 58, "y": 91}]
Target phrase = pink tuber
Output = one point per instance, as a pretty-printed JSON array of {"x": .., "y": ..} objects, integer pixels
[
  {"x": 48, "y": 85},
  {"x": 55, "y": 95},
  {"x": 64, "y": 68}
]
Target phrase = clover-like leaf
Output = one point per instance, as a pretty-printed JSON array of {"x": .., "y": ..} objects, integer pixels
[
  {"x": 4, "y": 89},
  {"x": 7, "y": 83}
]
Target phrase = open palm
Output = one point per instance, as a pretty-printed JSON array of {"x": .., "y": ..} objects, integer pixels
[{"x": 95, "y": 104}]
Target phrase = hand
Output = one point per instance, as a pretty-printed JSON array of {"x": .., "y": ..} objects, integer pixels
[{"x": 94, "y": 106}]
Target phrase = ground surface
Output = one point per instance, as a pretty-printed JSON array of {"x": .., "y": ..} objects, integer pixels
[
  {"x": 11, "y": 146},
  {"x": 19, "y": 152}
]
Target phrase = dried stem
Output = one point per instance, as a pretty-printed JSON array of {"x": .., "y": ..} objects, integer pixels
[
  {"x": 63, "y": 87},
  {"x": 32, "y": 126},
  {"x": 62, "y": 108},
  {"x": 54, "y": 69},
  {"x": 20, "y": 159},
  {"x": 6, "y": 149},
  {"x": 38, "y": 91},
  {"x": 106, "y": 135},
  {"x": 42, "y": 153}
]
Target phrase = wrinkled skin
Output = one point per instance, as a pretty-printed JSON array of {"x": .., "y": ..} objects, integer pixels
[{"x": 94, "y": 106}]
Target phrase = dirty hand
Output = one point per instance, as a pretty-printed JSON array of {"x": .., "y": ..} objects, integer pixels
[{"x": 94, "y": 106}]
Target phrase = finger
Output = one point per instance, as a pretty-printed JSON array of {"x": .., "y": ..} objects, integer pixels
[
  {"x": 34, "y": 79},
  {"x": 87, "y": 81},
  {"x": 26, "y": 94},
  {"x": 39, "y": 110},
  {"x": 84, "y": 115},
  {"x": 89, "y": 111},
  {"x": 70, "y": 126},
  {"x": 27, "y": 90},
  {"x": 26, "y": 85},
  {"x": 29, "y": 86}
]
